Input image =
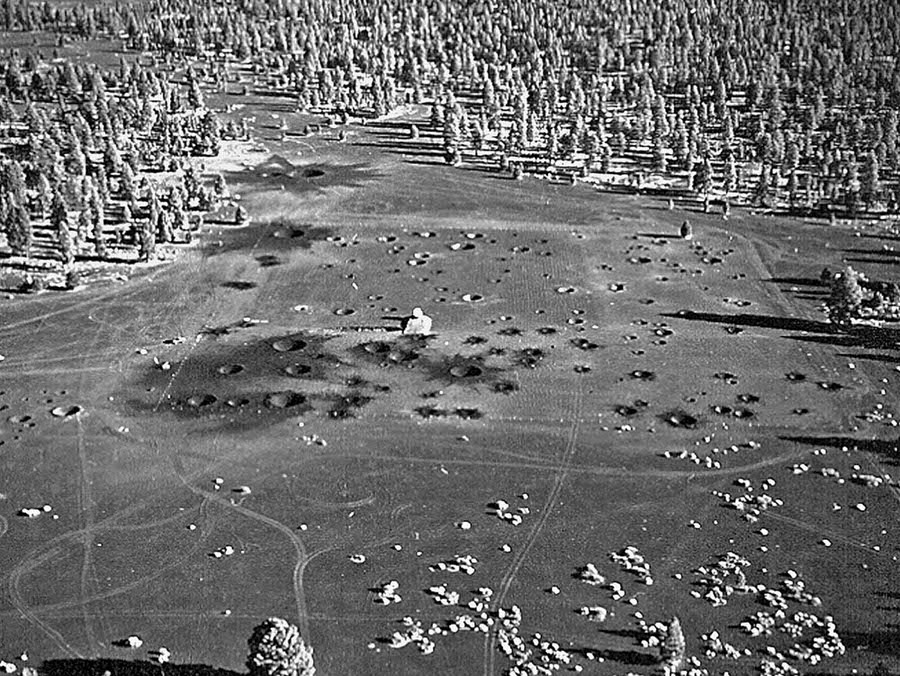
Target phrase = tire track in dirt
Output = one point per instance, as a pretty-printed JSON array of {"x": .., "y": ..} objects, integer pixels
[
  {"x": 296, "y": 541},
  {"x": 562, "y": 470}
]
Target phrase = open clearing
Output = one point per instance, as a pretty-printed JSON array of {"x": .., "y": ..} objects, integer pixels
[{"x": 222, "y": 469}]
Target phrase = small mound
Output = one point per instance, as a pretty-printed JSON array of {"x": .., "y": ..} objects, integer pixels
[
  {"x": 643, "y": 375},
  {"x": 462, "y": 246},
  {"x": 795, "y": 376},
  {"x": 743, "y": 413},
  {"x": 345, "y": 311},
  {"x": 230, "y": 369},
  {"x": 722, "y": 410},
  {"x": 285, "y": 399},
  {"x": 546, "y": 331},
  {"x": 288, "y": 345},
  {"x": 582, "y": 368},
  {"x": 830, "y": 386},
  {"x": 473, "y": 297},
  {"x": 237, "y": 402},
  {"x": 297, "y": 370},
  {"x": 19, "y": 419},
  {"x": 626, "y": 411},
  {"x": 66, "y": 411},
  {"x": 200, "y": 400},
  {"x": 584, "y": 344},
  {"x": 475, "y": 340}
]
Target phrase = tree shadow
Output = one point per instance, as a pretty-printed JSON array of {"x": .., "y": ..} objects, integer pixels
[
  {"x": 630, "y": 657},
  {"x": 759, "y": 321},
  {"x": 887, "y": 448},
  {"x": 880, "y": 642},
  {"x": 113, "y": 667}
]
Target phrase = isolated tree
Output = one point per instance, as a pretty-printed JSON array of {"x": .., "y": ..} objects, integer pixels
[
  {"x": 671, "y": 650},
  {"x": 277, "y": 649},
  {"x": 147, "y": 240},
  {"x": 18, "y": 230},
  {"x": 846, "y": 297},
  {"x": 686, "y": 231},
  {"x": 870, "y": 182}
]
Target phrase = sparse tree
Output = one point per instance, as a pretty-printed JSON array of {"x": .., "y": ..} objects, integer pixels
[
  {"x": 277, "y": 649},
  {"x": 672, "y": 648},
  {"x": 18, "y": 230},
  {"x": 846, "y": 297}
]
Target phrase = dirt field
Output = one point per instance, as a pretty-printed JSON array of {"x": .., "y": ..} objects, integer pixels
[{"x": 250, "y": 420}]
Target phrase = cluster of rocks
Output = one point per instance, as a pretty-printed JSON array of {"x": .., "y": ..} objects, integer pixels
[
  {"x": 388, "y": 593},
  {"x": 723, "y": 579},
  {"x": 34, "y": 512},
  {"x": 313, "y": 440},
  {"x": 594, "y": 613},
  {"x": 702, "y": 461},
  {"x": 443, "y": 596},
  {"x": 715, "y": 646},
  {"x": 458, "y": 564},
  {"x": 502, "y": 509},
  {"x": 590, "y": 575},
  {"x": 750, "y": 504},
  {"x": 631, "y": 560},
  {"x": 227, "y": 550}
]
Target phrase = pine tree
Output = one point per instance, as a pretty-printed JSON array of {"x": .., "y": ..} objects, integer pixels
[
  {"x": 870, "y": 182},
  {"x": 277, "y": 649},
  {"x": 846, "y": 297},
  {"x": 671, "y": 650},
  {"x": 18, "y": 232}
]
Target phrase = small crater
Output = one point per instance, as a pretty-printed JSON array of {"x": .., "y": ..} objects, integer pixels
[
  {"x": 200, "y": 400},
  {"x": 431, "y": 412},
  {"x": 288, "y": 345},
  {"x": 239, "y": 285},
  {"x": 546, "y": 331},
  {"x": 584, "y": 344},
  {"x": 313, "y": 173},
  {"x": 237, "y": 402},
  {"x": 530, "y": 356},
  {"x": 680, "y": 419},
  {"x": 466, "y": 371},
  {"x": 66, "y": 411},
  {"x": 504, "y": 387},
  {"x": 625, "y": 411},
  {"x": 298, "y": 370},
  {"x": 510, "y": 331},
  {"x": 286, "y": 399},
  {"x": 582, "y": 368}
]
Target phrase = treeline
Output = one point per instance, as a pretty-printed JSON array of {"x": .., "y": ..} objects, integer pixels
[
  {"x": 79, "y": 148},
  {"x": 791, "y": 103}
]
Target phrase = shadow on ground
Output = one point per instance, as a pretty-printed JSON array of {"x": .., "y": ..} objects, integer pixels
[
  {"x": 886, "y": 448},
  {"x": 128, "y": 668}
]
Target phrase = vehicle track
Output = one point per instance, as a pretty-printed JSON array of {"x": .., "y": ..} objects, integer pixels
[{"x": 562, "y": 470}]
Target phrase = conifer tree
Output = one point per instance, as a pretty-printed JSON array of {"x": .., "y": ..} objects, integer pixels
[
  {"x": 672, "y": 648},
  {"x": 277, "y": 649},
  {"x": 846, "y": 297}
]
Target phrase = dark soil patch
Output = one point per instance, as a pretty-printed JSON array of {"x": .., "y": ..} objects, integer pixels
[
  {"x": 239, "y": 285},
  {"x": 469, "y": 413},
  {"x": 530, "y": 357},
  {"x": 431, "y": 412},
  {"x": 504, "y": 387}
]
